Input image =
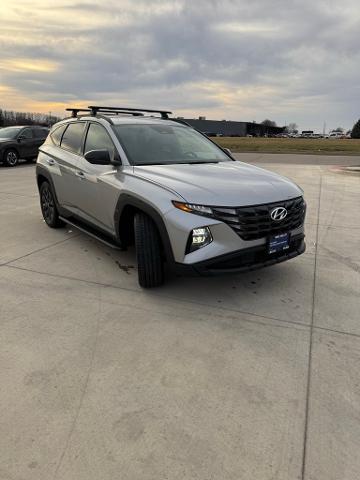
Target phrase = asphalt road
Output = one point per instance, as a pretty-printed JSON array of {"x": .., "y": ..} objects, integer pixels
[{"x": 251, "y": 377}]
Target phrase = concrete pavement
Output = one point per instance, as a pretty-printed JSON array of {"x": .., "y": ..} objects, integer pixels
[{"x": 251, "y": 376}]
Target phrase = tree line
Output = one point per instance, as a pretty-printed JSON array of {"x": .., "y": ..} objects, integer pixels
[{"x": 9, "y": 118}]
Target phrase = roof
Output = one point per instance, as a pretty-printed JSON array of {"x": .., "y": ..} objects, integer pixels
[{"x": 118, "y": 120}]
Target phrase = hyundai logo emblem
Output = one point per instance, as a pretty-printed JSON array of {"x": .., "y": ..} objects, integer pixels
[{"x": 278, "y": 214}]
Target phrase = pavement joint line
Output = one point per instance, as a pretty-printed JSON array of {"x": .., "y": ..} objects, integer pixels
[
  {"x": 243, "y": 320},
  {"x": 84, "y": 389},
  {"x": 340, "y": 332},
  {"x": 308, "y": 384},
  {"x": 190, "y": 302},
  {"x": 212, "y": 307},
  {"x": 8, "y": 263}
]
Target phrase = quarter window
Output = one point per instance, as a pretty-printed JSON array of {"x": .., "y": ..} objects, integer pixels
[
  {"x": 72, "y": 138},
  {"x": 98, "y": 139},
  {"x": 57, "y": 134}
]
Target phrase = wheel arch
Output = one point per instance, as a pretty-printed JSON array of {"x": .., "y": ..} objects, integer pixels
[
  {"x": 126, "y": 208},
  {"x": 9, "y": 148},
  {"x": 42, "y": 175}
]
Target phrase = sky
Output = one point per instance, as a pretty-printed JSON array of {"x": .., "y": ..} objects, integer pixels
[{"x": 289, "y": 61}]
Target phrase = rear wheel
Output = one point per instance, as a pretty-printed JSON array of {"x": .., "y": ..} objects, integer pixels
[
  {"x": 11, "y": 158},
  {"x": 48, "y": 206},
  {"x": 148, "y": 252}
]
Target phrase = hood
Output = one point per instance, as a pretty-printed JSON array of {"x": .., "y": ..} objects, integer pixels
[{"x": 221, "y": 184}]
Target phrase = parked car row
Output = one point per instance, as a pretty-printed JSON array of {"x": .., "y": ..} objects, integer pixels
[
  {"x": 21, "y": 142},
  {"x": 332, "y": 135}
]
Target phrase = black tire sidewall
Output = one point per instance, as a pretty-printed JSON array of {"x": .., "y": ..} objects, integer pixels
[
  {"x": 148, "y": 252},
  {"x": 54, "y": 221}
]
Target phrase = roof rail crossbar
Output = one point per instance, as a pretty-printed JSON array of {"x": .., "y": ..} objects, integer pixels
[
  {"x": 75, "y": 111},
  {"x": 120, "y": 112},
  {"x": 96, "y": 108}
]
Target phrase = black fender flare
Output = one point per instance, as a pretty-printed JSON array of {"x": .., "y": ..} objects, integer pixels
[
  {"x": 126, "y": 200},
  {"x": 43, "y": 172}
]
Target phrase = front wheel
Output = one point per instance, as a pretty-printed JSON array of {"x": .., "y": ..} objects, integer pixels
[
  {"x": 11, "y": 158},
  {"x": 48, "y": 207},
  {"x": 148, "y": 252}
]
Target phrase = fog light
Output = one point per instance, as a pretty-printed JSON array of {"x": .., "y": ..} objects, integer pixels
[{"x": 199, "y": 237}]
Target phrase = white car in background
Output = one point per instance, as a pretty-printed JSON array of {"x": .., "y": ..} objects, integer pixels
[{"x": 336, "y": 134}]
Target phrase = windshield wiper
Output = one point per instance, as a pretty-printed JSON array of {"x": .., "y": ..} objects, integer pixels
[
  {"x": 197, "y": 163},
  {"x": 174, "y": 163}
]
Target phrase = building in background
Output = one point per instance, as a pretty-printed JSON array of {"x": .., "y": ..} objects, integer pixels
[{"x": 232, "y": 129}]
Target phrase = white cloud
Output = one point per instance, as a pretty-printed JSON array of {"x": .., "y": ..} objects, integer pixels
[{"x": 290, "y": 61}]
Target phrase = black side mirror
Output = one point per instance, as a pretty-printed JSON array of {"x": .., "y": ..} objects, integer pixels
[
  {"x": 20, "y": 137},
  {"x": 98, "y": 157},
  {"x": 227, "y": 150},
  {"x": 102, "y": 157},
  {"x": 116, "y": 161}
]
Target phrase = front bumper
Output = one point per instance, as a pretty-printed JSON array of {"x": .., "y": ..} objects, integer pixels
[{"x": 244, "y": 260}]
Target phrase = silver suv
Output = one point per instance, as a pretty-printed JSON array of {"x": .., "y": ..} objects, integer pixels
[{"x": 129, "y": 176}]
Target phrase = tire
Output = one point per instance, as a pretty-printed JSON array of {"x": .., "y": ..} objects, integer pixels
[
  {"x": 11, "y": 158},
  {"x": 148, "y": 252},
  {"x": 48, "y": 207}
]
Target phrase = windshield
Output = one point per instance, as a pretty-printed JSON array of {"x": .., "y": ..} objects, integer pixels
[
  {"x": 166, "y": 144},
  {"x": 9, "y": 132}
]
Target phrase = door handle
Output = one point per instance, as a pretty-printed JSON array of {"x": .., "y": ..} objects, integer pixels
[{"x": 81, "y": 175}]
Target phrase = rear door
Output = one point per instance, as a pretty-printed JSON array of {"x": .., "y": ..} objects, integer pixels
[
  {"x": 96, "y": 196},
  {"x": 26, "y": 143},
  {"x": 66, "y": 163}
]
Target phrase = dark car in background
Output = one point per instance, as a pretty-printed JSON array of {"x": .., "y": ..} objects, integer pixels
[{"x": 20, "y": 142}]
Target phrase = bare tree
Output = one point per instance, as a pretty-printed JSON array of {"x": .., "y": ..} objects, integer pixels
[
  {"x": 292, "y": 128},
  {"x": 9, "y": 118},
  {"x": 268, "y": 123}
]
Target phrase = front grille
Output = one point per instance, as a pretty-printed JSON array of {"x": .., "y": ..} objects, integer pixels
[{"x": 254, "y": 222}]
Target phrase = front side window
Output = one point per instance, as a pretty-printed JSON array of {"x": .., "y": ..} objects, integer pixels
[
  {"x": 9, "y": 132},
  {"x": 151, "y": 144},
  {"x": 72, "y": 138},
  {"x": 97, "y": 138},
  {"x": 26, "y": 133}
]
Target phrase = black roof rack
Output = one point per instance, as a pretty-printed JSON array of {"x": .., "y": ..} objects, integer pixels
[
  {"x": 132, "y": 111},
  {"x": 75, "y": 111}
]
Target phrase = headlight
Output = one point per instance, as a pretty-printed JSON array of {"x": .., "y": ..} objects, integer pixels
[
  {"x": 199, "y": 237},
  {"x": 191, "y": 208}
]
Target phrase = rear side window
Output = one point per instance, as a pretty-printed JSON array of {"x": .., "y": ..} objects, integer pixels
[
  {"x": 40, "y": 132},
  {"x": 97, "y": 138},
  {"x": 72, "y": 138},
  {"x": 56, "y": 134}
]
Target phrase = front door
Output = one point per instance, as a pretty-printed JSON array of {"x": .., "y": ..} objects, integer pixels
[{"x": 97, "y": 191}]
